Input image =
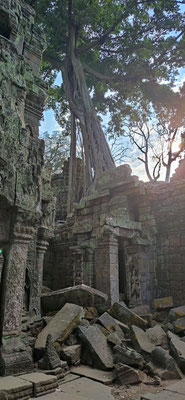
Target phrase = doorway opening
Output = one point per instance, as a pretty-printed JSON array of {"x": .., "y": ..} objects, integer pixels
[
  {"x": 26, "y": 300},
  {"x": 122, "y": 270},
  {"x": 4, "y": 25}
]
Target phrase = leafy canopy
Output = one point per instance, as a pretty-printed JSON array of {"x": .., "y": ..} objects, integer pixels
[{"x": 122, "y": 44}]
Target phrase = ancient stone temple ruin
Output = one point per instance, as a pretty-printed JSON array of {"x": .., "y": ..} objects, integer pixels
[
  {"x": 126, "y": 239},
  {"x": 26, "y": 204},
  {"x": 85, "y": 287}
]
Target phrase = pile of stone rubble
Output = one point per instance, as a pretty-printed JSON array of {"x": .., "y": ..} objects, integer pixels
[
  {"x": 101, "y": 343},
  {"x": 135, "y": 345}
]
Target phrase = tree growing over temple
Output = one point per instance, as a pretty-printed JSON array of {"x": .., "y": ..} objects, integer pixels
[{"x": 108, "y": 48}]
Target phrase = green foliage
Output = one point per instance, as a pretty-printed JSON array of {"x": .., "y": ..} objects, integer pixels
[
  {"x": 134, "y": 40},
  {"x": 132, "y": 45},
  {"x": 57, "y": 149}
]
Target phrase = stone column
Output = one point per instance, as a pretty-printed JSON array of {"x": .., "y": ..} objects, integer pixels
[
  {"x": 106, "y": 266},
  {"x": 36, "y": 286},
  {"x": 13, "y": 285}
]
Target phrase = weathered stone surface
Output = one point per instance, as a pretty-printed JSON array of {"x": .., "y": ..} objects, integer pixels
[
  {"x": 125, "y": 315},
  {"x": 14, "y": 357},
  {"x": 106, "y": 377},
  {"x": 162, "y": 359},
  {"x": 126, "y": 375},
  {"x": 81, "y": 389},
  {"x": 61, "y": 325},
  {"x": 163, "y": 303},
  {"x": 177, "y": 350},
  {"x": 51, "y": 359},
  {"x": 141, "y": 310},
  {"x": 141, "y": 341},
  {"x": 16, "y": 388},
  {"x": 176, "y": 313},
  {"x": 111, "y": 324},
  {"x": 71, "y": 354},
  {"x": 163, "y": 395},
  {"x": 91, "y": 313},
  {"x": 157, "y": 336},
  {"x": 58, "y": 372},
  {"x": 178, "y": 387},
  {"x": 179, "y": 325},
  {"x": 81, "y": 295},
  {"x": 42, "y": 383},
  {"x": 113, "y": 339},
  {"x": 126, "y": 355},
  {"x": 160, "y": 316},
  {"x": 96, "y": 342}
]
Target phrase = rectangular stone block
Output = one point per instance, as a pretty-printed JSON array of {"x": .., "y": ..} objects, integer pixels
[
  {"x": 61, "y": 325},
  {"x": 42, "y": 383},
  {"x": 16, "y": 388},
  {"x": 96, "y": 343},
  {"x": 163, "y": 303}
]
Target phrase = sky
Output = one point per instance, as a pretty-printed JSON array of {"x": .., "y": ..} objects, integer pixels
[{"x": 50, "y": 124}]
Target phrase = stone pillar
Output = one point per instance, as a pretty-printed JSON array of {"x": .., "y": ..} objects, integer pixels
[
  {"x": 106, "y": 266},
  {"x": 36, "y": 286},
  {"x": 13, "y": 286}
]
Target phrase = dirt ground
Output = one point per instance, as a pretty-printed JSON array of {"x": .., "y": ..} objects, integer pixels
[{"x": 134, "y": 392}]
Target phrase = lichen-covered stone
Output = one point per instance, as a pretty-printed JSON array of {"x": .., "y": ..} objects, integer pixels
[
  {"x": 61, "y": 325},
  {"x": 163, "y": 303},
  {"x": 125, "y": 315},
  {"x": 95, "y": 341}
]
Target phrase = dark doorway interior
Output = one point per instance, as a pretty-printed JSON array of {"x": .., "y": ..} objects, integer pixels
[
  {"x": 122, "y": 271},
  {"x": 26, "y": 300},
  {"x": 4, "y": 25}
]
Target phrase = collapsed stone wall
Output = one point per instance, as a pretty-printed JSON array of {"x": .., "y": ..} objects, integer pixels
[
  {"x": 125, "y": 239},
  {"x": 104, "y": 244}
]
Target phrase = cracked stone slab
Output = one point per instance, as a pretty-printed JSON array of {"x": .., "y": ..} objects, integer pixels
[
  {"x": 81, "y": 389},
  {"x": 61, "y": 325},
  {"x": 178, "y": 387},
  {"x": 96, "y": 343},
  {"x": 81, "y": 295},
  {"x": 16, "y": 388},
  {"x": 111, "y": 324},
  {"x": 164, "y": 395},
  {"x": 42, "y": 383},
  {"x": 121, "y": 312},
  {"x": 142, "y": 341},
  {"x": 105, "y": 377}
]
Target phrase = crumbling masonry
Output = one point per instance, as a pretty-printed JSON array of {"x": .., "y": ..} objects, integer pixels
[
  {"x": 126, "y": 238},
  {"x": 26, "y": 208}
]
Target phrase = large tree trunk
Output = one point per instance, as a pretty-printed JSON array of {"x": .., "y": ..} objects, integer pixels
[
  {"x": 97, "y": 153},
  {"x": 72, "y": 166}
]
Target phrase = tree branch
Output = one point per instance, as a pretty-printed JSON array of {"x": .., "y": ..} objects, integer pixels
[
  {"x": 98, "y": 75},
  {"x": 102, "y": 39}
]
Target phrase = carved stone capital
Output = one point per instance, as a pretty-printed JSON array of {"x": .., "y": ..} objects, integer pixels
[
  {"x": 22, "y": 233},
  {"x": 42, "y": 246}
]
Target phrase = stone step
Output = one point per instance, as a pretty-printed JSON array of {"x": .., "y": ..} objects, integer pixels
[
  {"x": 105, "y": 377},
  {"x": 42, "y": 383},
  {"x": 16, "y": 388},
  {"x": 81, "y": 389}
]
